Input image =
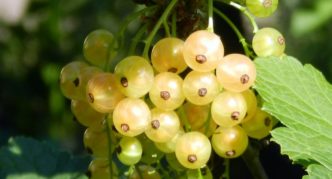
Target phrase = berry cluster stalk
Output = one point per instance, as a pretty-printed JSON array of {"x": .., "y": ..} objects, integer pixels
[{"x": 155, "y": 29}]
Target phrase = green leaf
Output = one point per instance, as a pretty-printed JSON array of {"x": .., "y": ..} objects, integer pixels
[
  {"x": 301, "y": 98},
  {"x": 28, "y": 158}
]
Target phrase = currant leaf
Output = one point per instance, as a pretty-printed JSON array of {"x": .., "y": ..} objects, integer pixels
[{"x": 301, "y": 98}]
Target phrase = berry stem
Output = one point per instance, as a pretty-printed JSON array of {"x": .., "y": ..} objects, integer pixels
[
  {"x": 226, "y": 175},
  {"x": 130, "y": 171},
  {"x": 210, "y": 14},
  {"x": 200, "y": 176},
  {"x": 251, "y": 158},
  {"x": 156, "y": 27},
  {"x": 184, "y": 120},
  {"x": 246, "y": 13},
  {"x": 128, "y": 20},
  {"x": 166, "y": 27},
  {"x": 242, "y": 40},
  {"x": 119, "y": 37},
  {"x": 174, "y": 25},
  {"x": 137, "y": 38}
]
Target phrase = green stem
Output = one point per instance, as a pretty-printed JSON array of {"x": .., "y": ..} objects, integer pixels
[
  {"x": 246, "y": 13},
  {"x": 226, "y": 175},
  {"x": 237, "y": 5},
  {"x": 156, "y": 27},
  {"x": 251, "y": 158},
  {"x": 137, "y": 38},
  {"x": 242, "y": 40},
  {"x": 128, "y": 20},
  {"x": 130, "y": 171},
  {"x": 184, "y": 119},
  {"x": 210, "y": 14},
  {"x": 109, "y": 140},
  {"x": 174, "y": 25},
  {"x": 200, "y": 176},
  {"x": 166, "y": 27},
  {"x": 117, "y": 43}
]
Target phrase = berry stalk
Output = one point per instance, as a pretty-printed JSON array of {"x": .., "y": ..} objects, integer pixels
[
  {"x": 163, "y": 18},
  {"x": 242, "y": 40}
]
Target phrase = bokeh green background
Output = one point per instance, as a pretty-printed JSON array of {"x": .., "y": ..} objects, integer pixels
[{"x": 51, "y": 33}]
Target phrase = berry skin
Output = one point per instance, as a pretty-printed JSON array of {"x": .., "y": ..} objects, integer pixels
[
  {"x": 268, "y": 42},
  {"x": 129, "y": 151},
  {"x": 229, "y": 142},
  {"x": 203, "y": 50},
  {"x": 97, "y": 47},
  {"x": 200, "y": 88},
  {"x": 167, "y": 55},
  {"x": 131, "y": 117},
  {"x": 163, "y": 126},
  {"x": 134, "y": 76},
  {"x": 228, "y": 109},
  {"x": 193, "y": 150},
  {"x": 259, "y": 126},
  {"x": 262, "y": 8},
  {"x": 166, "y": 92},
  {"x": 70, "y": 83},
  {"x": 236, "y": 72},
  {"x": 102, "y": 93}
]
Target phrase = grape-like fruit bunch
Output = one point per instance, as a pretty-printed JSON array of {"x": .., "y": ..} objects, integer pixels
[{"x": 190, "y": 100}]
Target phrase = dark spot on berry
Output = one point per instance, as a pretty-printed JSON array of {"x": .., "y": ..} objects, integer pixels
[
  {"x": 173, "y": 70},
  {"x": 88, "y": 174},
  {"x": 91, "y": 98},
  {"x": 267, "y": 122},
  {"x": 244, "y": 79},
  {"x": 125, "y": 127},
  {"x": 200, "y": 59},
  {"x": 202, "y": 92},
  {"x": 124, "y": 82},
  {"x": 118, "y": 149},
  {"x": 246, "y": 115},
  {"x": 267, "y": 3},
  {"x": 192, "y": 158},
  {"x": 165, "y": 95},
  {"x": 235, "y": 115},
  {"x": 89, "y": 150},
  {"x": 155, "y": 124},
  {"x": 76, "y": 82},
  {"x": 281, "y": 40},
  {"x": 230, "y": 153}
]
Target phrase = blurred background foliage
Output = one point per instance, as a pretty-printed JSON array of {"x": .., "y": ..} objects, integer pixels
[{"x": 35, "y": 44}]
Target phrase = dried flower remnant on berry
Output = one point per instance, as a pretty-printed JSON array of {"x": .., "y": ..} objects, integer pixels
[
  {"x": 202, "y": 92},
  {"x": 125, "y": 127},
  {"x": 192, "y": 158},
  {"x": 155, "y": 124},
  {"x": 165, "y": 95},
  {"x": 200, "y": 59},
  {"x": 124, "y": 82},
  {"x": 230, "y": 153}
]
